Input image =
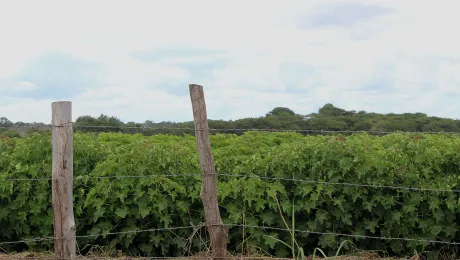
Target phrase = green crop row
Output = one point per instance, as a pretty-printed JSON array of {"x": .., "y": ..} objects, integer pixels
[{"x": 104, "y": 205}]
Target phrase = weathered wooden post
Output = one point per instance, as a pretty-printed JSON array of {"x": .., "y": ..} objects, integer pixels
[
  {"x": 62, "y": 181},
  {"x": 217, "y": 231}
]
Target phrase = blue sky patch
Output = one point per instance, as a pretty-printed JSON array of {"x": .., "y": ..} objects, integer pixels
[
  {"x": 295, "y": 76},
  {"x": 344, "y": 15},
  {"x": 55, "y": 76},
  {"x": 165, "y": 53}
]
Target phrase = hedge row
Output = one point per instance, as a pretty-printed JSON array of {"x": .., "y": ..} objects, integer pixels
[{"x": 105, "y": 205}]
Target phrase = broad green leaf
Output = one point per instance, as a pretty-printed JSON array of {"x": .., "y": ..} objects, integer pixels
[{"x": 122, "y": 212}]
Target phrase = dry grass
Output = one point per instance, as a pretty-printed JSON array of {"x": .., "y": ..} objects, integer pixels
[{"x": 43, "y": 256}]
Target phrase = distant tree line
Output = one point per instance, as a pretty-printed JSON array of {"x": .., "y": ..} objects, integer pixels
[
  {"x": 17, "y": 129},
  {"x": 328, "y": 118}
]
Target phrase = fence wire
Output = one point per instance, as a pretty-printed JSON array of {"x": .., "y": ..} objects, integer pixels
[
  {"x": 257, "y": 130},
  {"x": 350, "y": 235},
  {"x": 97, "y": 235},
  {"x": 191, "y": 129},
  {"x": 325, "y": 183},
  {"x": 405, "y": 239},
  {"x": 10, "y": 257}
]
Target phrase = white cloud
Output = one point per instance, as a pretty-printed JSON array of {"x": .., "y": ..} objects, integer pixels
[
  {"x": 448, "y": 80},
  {"x": 134, "y": 74},
  {"x": 17, "y": 87},
  {"x": 413, "y": 48},
  {"x": 26, "y": 109},
  {"x": 136, "y": 104},
  {"x": 24, "y": 86}
]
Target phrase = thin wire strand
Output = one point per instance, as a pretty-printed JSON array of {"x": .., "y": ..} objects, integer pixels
[
  {"x": 340, "y": 183},
  {"x": 26, "y": 179},
  {"x": 349, "y": 235},
  {"x": 107, "y": 177},
  {"x": 76, "y": 126},
  {"x": 135, "y": 127},
  {"x": 136, "y": 231},
  {"x": 248, "y": 226},
  {"x": 97, "y": 235},
  {"x": 27, "y": 240},
  {"x": 260, "y": 130},
  {"x": 138, "y": 176},
  {"x": 10, "y": 256},
  {"x": 25, "y": 126},
  {"x": 326, "y": 183}
]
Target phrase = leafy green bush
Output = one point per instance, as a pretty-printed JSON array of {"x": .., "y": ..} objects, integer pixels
[
  {"x": 9, "y": 133},
  {"x": 104, "y": 205}
]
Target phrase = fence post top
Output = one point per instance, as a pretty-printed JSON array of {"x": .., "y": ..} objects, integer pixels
[{"x": 61, "y": 102}]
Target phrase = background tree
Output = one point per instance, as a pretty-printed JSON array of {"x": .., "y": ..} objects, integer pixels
[
  {"x": 4, "y": 122},
  {"x": 279, "y": 111},
  {"x": 328, "y": 118}
]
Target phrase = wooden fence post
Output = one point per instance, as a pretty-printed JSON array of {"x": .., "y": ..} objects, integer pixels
[
  {"x": 217, "y": 231},
  {"x": 62, "y": 181}
]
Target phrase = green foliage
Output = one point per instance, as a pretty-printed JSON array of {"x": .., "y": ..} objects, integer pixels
[
  {"x": 102, "y": 120},
  {"x": 328, "y": 117},
  {"x": 4, "y": 122},
  {"x": 104, "y": 205},
  {"x": 281, "y": 111},
  {"x": 9, "y": 133}
]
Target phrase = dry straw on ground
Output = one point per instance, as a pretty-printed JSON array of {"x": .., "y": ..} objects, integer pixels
[{"x": 44, "y": 256}]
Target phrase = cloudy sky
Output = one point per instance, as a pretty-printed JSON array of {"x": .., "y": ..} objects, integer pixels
[{"x": 135, "y": 59}]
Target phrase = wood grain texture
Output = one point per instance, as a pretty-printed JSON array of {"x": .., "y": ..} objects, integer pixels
[
  {"x": 62, "y": 181},
  {"x": 218, "y": 232}
]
